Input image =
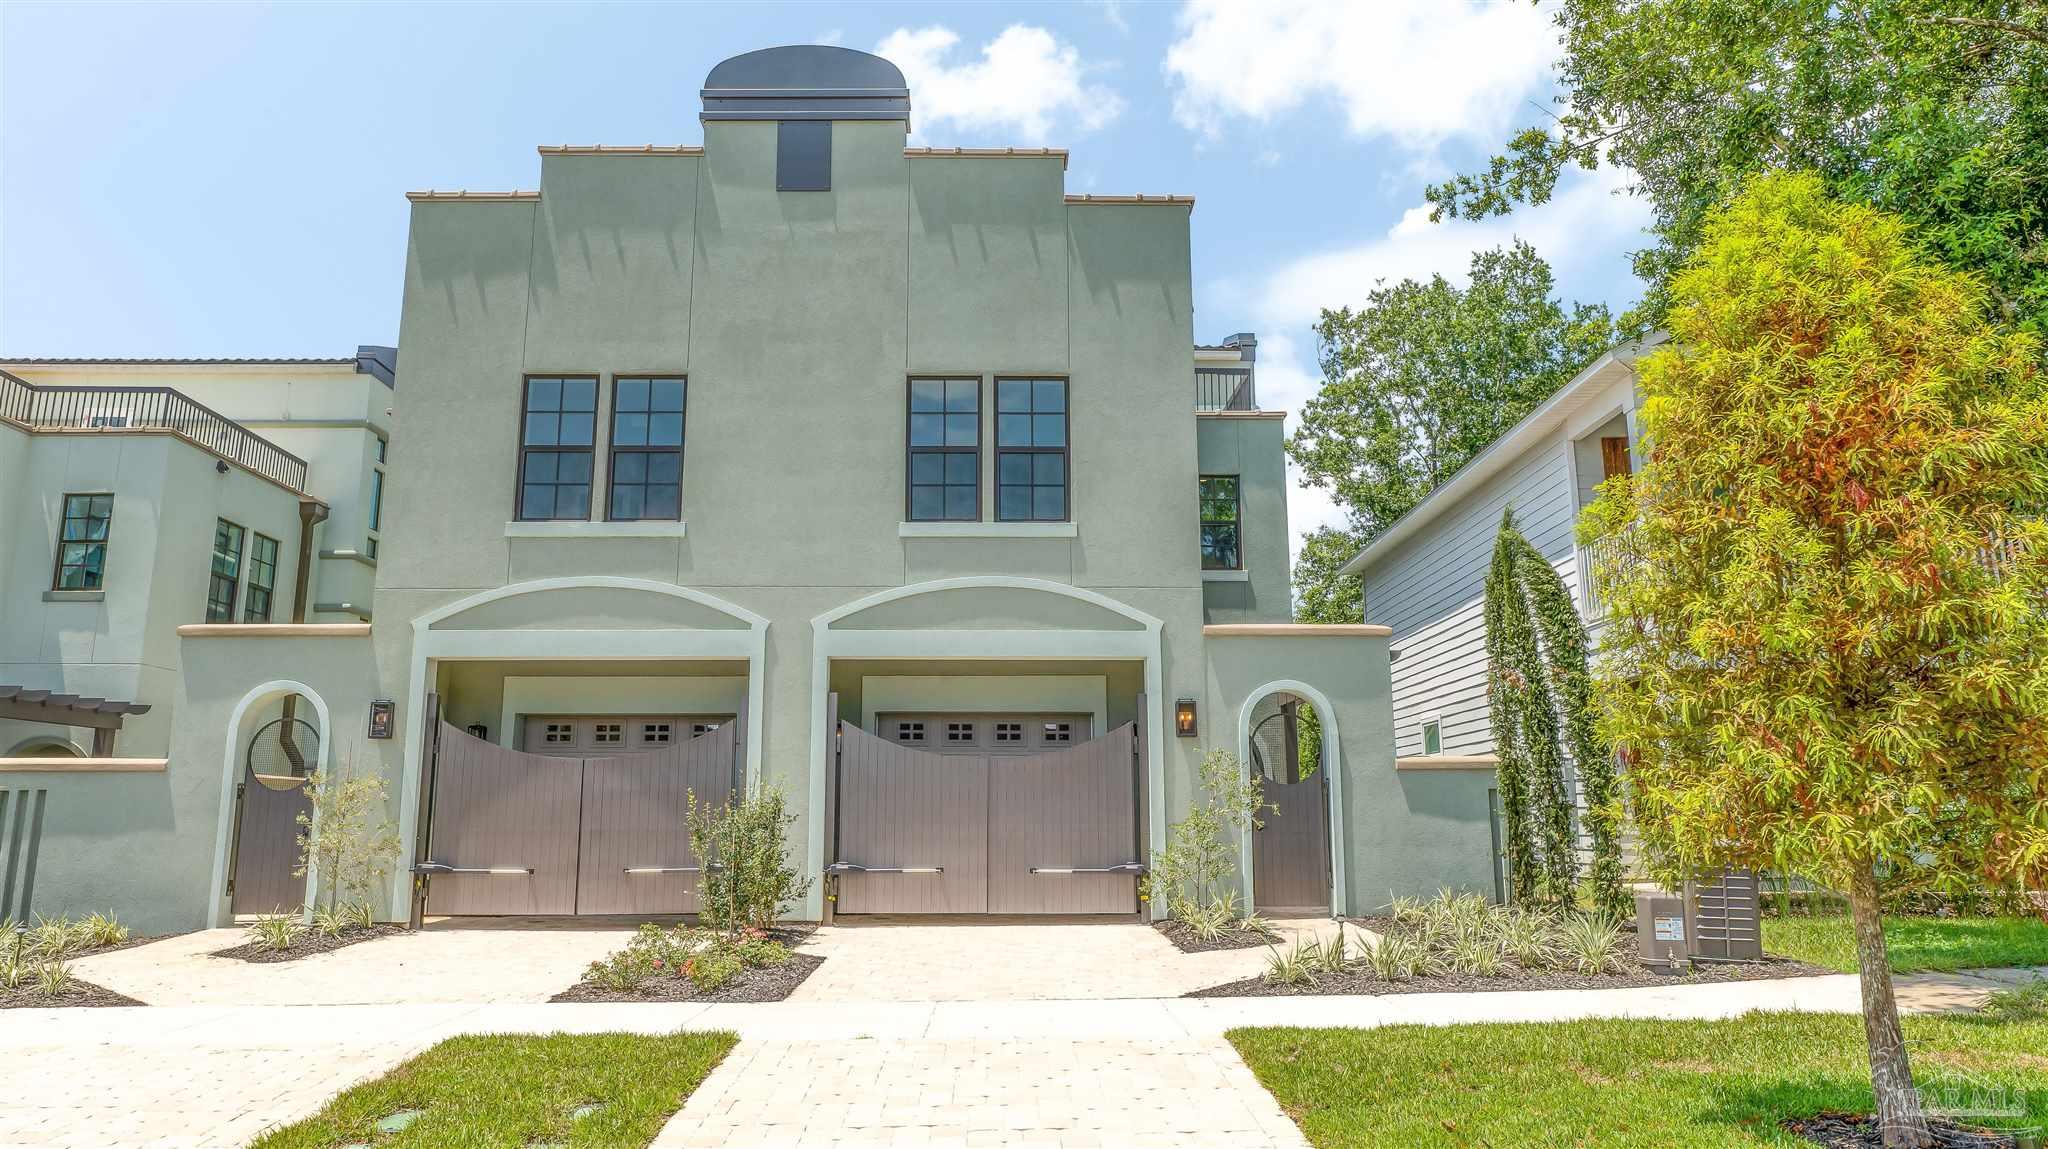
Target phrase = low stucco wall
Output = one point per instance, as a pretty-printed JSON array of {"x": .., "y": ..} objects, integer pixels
[
  {"x": 1401, "y": 832},
  {"x": 109, "y": 840}
]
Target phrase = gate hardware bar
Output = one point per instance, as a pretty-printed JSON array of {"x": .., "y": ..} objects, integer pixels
[
  {"x": 671, "y": 869},
  {"x": 1120, "y": 868},
  {"x": 443, "y": 868},
  {"x": 850, "y": 868}
]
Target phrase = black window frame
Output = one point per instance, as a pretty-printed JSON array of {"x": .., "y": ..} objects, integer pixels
[
  {"x": 912, "y": 449},
  {"x": 613, "y": 450},
  {"x": 216, "y": 610},
  {"x": 1065, "y": 450},
  {"x": 267, "y": 585},
  {"x": 527, "y": 451},
  {"x": 1235, "y": 522},
  {"x": 373, "y": 532},
  {"x": 86, "y": 543}
]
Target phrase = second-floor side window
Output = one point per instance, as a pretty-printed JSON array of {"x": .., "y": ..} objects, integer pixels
[
  {"x": 944, "y": 438},
  {"x": 376, "y": 521},
  {"x": 1220, "y": 528},
  {"x": 1031, "y": 450},
  {"x": 226, "y": 579},
  {"x": 262, "y": 579},
  {"x": 557, "y": 433},
  {"x": 82, "y": 542},
  {"x": 647, "y": 449}
]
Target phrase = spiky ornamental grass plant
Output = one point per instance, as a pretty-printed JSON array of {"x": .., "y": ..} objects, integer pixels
[
  {"x": 1536, "y": 670},
  {"x": 1827, "y": 647}
]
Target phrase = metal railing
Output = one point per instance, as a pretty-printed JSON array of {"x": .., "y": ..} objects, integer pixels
[
  {"x": 1224, "y": 389},
  {"x": 115, "y": 410}
]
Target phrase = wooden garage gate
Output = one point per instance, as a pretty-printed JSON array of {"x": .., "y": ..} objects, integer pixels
[
  {"x": 987, "y": 813},
  {"x": 581, "y": 828}
]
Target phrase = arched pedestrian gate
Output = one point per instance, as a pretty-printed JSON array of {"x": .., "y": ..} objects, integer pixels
[
  {"x": 517, "y": 833},
  {"x": 917, "y": 832}
]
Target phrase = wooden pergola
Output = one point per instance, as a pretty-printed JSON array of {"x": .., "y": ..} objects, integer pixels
[{"x": 102, "y": 715}]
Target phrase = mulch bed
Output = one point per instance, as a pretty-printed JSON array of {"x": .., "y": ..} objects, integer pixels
[
  {"x": 1185, "y": 941},
  {"x": 80, "y": 995},
  {"x": 309, "y": 943},
  {"x": 769, "y": 983},
  {"x": 1857, "y": 1131}
]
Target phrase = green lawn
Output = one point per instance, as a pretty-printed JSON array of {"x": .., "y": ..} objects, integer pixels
[
  {"x": 1915, "y": 944},
  {"x": 495, "y": 1091},
  {"x": 1641, "y": 1084}
]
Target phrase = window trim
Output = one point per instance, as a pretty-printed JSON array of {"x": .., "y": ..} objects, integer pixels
[
  {"x": 611, "y": 447},
  {"x": 1237, "y": 498},
  {"x": 982, "y": 428},
  {"x": 1422, "y": 732},
  {"x": 235, "y": 586},
  {"x": 521, "y": 449},
  {"x": 1066, "y": 451},
  {"x": 64, "y": 516},
  {"x": 373, "y": 517},
  {"x": 256, "y": 538}
]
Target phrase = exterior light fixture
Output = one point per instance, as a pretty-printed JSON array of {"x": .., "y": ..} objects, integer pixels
[{"x": 1184, "y": 718}]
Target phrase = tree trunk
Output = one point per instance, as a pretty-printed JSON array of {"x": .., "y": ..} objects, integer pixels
[{"x": 1899, "y": 1118}]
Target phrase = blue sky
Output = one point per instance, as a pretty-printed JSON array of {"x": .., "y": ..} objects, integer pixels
[{"x": 226, "y": 180}]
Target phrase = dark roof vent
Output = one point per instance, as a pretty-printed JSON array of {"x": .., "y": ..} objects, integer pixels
[{"x": 806, "y": 82}]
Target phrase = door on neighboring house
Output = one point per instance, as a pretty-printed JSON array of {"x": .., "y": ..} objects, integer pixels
[
  {"x": 1613, "y": 456},
  {"x": 1291, "y": 848},
  {"x": 992, "y": 812}
]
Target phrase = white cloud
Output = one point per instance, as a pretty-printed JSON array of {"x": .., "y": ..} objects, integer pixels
[
  {"x": 1417, "y": 71},
  {"x": 1024, "y": 81},
  {"x": 1113, "y": 11},
  {"x": 1582, "y": 231}
]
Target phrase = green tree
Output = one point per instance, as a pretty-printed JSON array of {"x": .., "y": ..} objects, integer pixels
[
  {"x": 1537, "y": 674},
  {"x": 1420, "y": 380},
  {"x": 346, "y": 839},
  {"x": 1934, "y": 109},
  {"x": 1322, "y": 593},
  {"x": 1827, "y": 647}
]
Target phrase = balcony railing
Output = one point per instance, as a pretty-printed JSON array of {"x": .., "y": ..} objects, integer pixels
[
  {"x": 115, "y": 410},
  {"x": 1224, "y": 389}
]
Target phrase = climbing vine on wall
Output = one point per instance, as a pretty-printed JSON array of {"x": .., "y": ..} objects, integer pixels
[{"x": 1539, "y": 693}]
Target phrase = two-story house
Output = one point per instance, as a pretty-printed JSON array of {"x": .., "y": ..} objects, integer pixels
[
  {"x": 805, "y": 459},
  {"x": 1424, "y": 576}
]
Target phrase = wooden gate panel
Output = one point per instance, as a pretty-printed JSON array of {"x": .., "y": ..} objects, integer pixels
[
  {"x": 1292, "y": 852},
  {"x": 900, "y": 807},
  {"x": 634, "y": 812},
  {"x": 267, "y": 848},
  {"x": 1071, "y": 810},
  {"x": 502, "y": 810}
]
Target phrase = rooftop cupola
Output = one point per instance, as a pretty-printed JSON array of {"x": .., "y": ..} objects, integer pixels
[{"x": 806, "y": 82}]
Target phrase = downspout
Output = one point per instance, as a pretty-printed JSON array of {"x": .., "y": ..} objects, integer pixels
[{"x": 312, "y": 512}]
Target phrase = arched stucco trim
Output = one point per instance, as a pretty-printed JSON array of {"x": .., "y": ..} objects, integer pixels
[
  {"x": 221, "y": 910},
  {"x": 429, "y": 645},
  {"x": 571, "y": 582},
  {"x": 1333, "y": 762},
  {"x": 1144, "y": 645},
  {"x": 1012, "y": 582}
]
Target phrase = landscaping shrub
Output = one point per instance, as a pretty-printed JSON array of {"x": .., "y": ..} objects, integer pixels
[
  {"x": 348, "y": 841},
  {"x": 1592, "y": 944},
  {"x": 747, "y": 880},
  {"x": 103, "y": 930},
  {"x": 1201, "y": 851},
  {"x": 708, "y": 958},
  {"x": 276, "y": 931}
]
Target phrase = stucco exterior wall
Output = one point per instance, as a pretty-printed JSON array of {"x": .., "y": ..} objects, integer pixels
[{"x": 1250, "y": 447}]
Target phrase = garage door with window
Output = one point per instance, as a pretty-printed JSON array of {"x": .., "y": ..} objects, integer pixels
[
  {"x": 987, "y": 813},
  {"x": 588, "y": 820}
]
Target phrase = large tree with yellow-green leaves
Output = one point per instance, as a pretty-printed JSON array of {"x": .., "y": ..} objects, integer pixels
[{"x": 1827, "y": 580}]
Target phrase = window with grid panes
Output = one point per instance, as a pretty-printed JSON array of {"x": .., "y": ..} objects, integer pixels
[
  {"x": 647, "y": 448},
  {"x": 558, "y": 427},
  {"x": 1031, "y": 450},
  {"x": 944, "y": 442}
]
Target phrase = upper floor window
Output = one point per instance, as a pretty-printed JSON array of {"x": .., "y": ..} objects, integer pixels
[
  {"x": 558, "y": 426},
  {"x": 262, "y": 579},
  {"x": 82, "y": 542},
  {"x": 647, "y": 449},
  {"x": 945, "y": 449},
  {"x": 1220, "y": 508},
  {"x": 1031, "y": 449},
  {"x": 376, "y": 519},
  {"x": 226, "y": 580}
]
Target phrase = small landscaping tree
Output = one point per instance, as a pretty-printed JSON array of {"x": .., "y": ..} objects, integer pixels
[
  {"x": 347, "y": 839},
  {"x": 1201, "y": 849},
  {"x": 1536, "y": 670},
  {"x": 1827, "y": 649},
  {"x": 745, "y": 880}
]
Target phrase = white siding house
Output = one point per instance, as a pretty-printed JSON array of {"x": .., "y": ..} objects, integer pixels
[{"x": 1425, "y": 576}]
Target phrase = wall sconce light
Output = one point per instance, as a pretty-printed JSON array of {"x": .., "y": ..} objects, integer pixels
[
  {"x": 478, "y": 730},
  {"x": 1184, "y": 718}
]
